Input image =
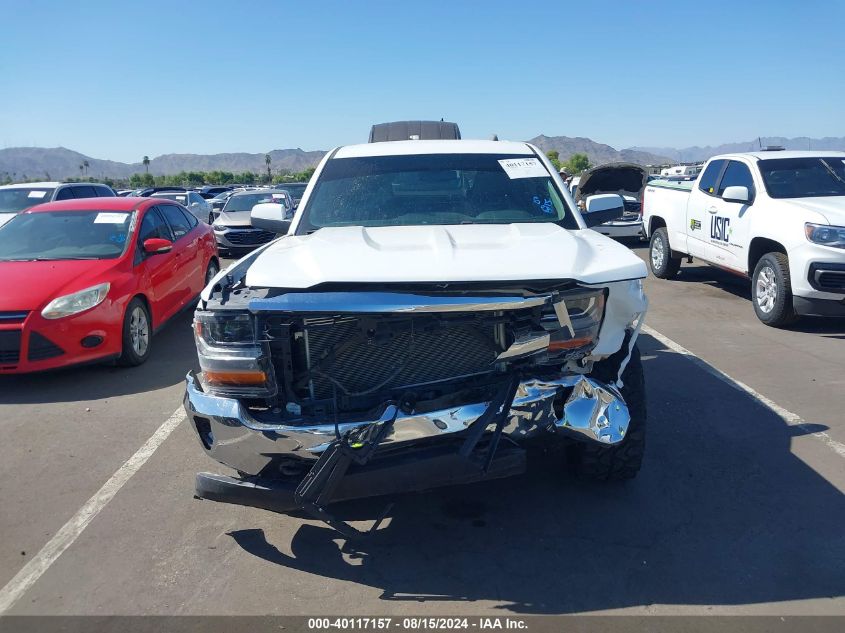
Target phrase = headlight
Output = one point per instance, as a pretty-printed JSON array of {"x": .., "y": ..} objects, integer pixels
[
  {"x": 225, "y": 328},
  {"x": 574, "y": 321},
  {"x": 826, "y": 235},
  {"x": 233, "y": 363},
  {"x": 76, "y": 302},
  {"x": 218, "y": 227}
]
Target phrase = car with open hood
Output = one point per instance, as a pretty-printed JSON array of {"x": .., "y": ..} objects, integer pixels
[
  {"x": 92, "y": 280},
  {"x": 432, "y": 310},
  {"x": 625, "y": 179}
]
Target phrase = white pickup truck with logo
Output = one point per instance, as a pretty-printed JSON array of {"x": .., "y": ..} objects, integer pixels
[{"x": 776, "y": 217}]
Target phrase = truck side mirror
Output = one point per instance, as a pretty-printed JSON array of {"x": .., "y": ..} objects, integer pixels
[
  {"x": 603, "y": 207},
  {"x": 270, "y": 216},
  {"x": 736, "y": 193}
]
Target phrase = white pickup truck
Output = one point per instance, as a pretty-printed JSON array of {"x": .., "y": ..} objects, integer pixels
[
  {"x": 776, "y": 217},
  {"x": 428, "y": 299}
]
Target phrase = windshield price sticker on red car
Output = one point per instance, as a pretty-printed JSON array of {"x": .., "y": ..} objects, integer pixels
[
  {"x": 111, "y": 218},
  {"x": 523, "y": 168}
]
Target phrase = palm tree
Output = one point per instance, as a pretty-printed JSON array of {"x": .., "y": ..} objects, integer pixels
[
  {"x": 81, "y": 167},
  {"x": 267, "y": 161},
  {"x": 85, "y": 164},
  {"x": 146, "y": 161}
]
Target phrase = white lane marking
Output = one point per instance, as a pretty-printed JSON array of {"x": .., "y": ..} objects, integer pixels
[
  {"x": 70, "y": 531},
  {"x": 792, "y": 419}
]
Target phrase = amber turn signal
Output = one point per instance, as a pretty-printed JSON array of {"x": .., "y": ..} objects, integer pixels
[
  {"x": 558, "y": 346},
  {"x": 231, "y": 378}
]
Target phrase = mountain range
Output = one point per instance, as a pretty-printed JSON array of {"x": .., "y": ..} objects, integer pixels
[
  {"x": 696, "y": 153},
  {"x": 599, "y": 153},
  {"x": 59, "y": 163}
]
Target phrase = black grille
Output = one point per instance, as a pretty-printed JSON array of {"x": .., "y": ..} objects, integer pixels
[
  {"x": 10, "y": 347},
  {"x": 347, "y": 354},
  {"x": 42, "y": 348},
  {"x": 15, "y": 316},
  {"x": 250, "y": 237},
  {"x": 830, "y": 280}
]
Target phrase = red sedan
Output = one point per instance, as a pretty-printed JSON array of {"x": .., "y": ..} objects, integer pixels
[{"x": 91, "y": 280}]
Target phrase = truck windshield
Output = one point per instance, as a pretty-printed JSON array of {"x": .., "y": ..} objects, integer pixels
[
  {"x": 804, "y": 177},
  {"x": 245, "y": 202},
  {"x": 17, "y": 199},
  {"x": 434, "y": 189},
  {"x": 57, "y": 235}
]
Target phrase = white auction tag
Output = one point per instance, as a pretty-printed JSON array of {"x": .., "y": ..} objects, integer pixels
[
  {"x": 36, "y": 194},
  {"x": 523, "y": 168},
  {"x": 111, "y": 218}
]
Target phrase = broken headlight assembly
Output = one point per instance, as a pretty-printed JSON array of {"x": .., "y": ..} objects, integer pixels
[
  {"x": 573, "y": 322},
  {"x": 233, "y": 363}
]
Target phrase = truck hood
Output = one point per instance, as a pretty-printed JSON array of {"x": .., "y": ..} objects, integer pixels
[
  {"x": 831, "y": 207},
  {"x": 618, "y": 178},
  {"x": 397, "y": 254}
]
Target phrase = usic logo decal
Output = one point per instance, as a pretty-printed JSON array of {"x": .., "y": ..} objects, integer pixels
[{"x": 720, "y": 228}]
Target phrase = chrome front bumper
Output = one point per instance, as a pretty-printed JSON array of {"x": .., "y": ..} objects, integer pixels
[{"x": 588, "y": 410}]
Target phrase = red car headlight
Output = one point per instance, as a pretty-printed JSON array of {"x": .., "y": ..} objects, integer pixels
[{"x": 76, "y": 302}]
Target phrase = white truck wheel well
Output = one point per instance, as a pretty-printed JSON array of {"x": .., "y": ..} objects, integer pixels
[
  {"x": 655, "y": 223},
  {"x": 758, "y": 247}
]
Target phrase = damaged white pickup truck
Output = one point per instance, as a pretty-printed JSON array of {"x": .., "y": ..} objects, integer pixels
[{"x": 433, "y": 309}]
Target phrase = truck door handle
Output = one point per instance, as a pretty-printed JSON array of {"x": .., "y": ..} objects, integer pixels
[{"x": 713, "y": 210}]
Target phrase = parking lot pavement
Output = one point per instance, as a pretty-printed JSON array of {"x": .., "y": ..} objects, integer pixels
[
  {"x": 737, "y": 510},
  {"x": 709, "y": 312}
]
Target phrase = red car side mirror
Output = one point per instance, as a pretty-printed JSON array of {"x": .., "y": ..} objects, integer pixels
[{"x": 157, "y": 246}]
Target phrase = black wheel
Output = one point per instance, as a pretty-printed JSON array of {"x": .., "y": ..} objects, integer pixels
[
  {"x": 137, "y": 334},
  {"x": 663, "y": 264},
  {"x": 211, "y": 271},
  {"x": 771, "y": 290},
  {"x": 621, "y": 461}
]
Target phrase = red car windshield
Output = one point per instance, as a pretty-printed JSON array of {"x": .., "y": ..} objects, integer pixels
[{"x": 56, "y": 235}]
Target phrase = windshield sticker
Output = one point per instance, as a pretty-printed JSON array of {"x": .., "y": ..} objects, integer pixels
[
  {"x": 523, "y": 168},
  {"x": 36, "y": 194},
  {"x": 111, "y": 218},
  {"x": 117, "y": 238},
  {"x": 278, "y": 196},
  {"x": 545, "y": 204}
]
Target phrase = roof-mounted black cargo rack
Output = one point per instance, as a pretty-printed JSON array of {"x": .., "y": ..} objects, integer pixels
[{"x": 414, "y": 131}]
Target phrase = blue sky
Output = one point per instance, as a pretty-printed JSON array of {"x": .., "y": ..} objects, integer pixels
[{"x": 119, "y": 80}]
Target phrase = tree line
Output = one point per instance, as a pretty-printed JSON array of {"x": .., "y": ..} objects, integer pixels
[
  {"x": 182, "y": 179},
  {"x": 574, "y": 166},
  {"x": 216, "y": 177}
]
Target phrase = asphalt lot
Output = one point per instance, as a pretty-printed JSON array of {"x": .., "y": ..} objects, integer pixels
[{"x": 738, "y": 509}]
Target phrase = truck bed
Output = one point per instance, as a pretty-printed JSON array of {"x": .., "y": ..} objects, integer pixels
[{"x": 683, "y": 185}]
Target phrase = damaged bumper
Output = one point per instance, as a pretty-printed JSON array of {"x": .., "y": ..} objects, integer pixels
[{"x": 571, "y": 405}]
